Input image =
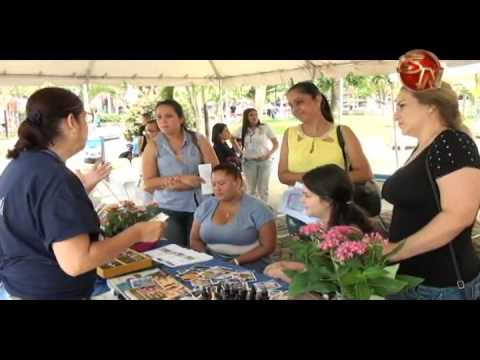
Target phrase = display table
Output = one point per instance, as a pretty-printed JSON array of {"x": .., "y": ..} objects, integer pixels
[{"x": 104, "y": 292}]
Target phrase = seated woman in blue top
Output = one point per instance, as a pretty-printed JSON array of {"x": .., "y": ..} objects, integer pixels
[
  {"x": 233, "y": 225},
  {"x": 170, "y": 169},
  {"x": 49, "y": 229}
]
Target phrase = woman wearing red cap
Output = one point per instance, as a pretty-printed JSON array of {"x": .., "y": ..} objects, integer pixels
[{"x": 435, "y": 194}]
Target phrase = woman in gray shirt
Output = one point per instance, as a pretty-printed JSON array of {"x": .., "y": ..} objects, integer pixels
[
  {"x": 234, "y": 225},
  {"x": 170, "y": 169}
]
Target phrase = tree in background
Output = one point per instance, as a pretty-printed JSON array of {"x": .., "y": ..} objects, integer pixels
[
  {"x": 167, "y": 92},
  {"x": 382, "y": 85},
  {"x": 359, "y": 85},
  {"x": 148, "y": 99},
  {"x": 465, "y": 96}
]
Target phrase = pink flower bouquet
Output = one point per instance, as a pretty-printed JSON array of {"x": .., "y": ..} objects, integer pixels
[{"x": 343, "y": 262}]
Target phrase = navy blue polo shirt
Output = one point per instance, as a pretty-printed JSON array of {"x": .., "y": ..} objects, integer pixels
[{"x": 42, "y": 202}]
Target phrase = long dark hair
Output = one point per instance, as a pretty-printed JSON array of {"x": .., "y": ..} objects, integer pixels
[
  {"x": 217, "y": 131},
  {"x": 177, "y": 108},
  {"x": 46, "y": 108},
  {"x": 331, "y": 183},
  {"x": 309, "y": 88},
  {"x": 246, "y": 124}
]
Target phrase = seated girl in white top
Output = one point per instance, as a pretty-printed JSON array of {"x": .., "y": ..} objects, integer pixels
[{"x": 233, "y": 225}]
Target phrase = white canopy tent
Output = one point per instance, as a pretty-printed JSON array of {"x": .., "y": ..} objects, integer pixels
[
  {"x": 228, "y": 73},
  {"x": 223, "y": 73}
]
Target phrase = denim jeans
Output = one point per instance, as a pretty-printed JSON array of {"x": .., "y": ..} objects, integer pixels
[
  {"x": 421, "y": 292},
  {"x": 4, "y": 295},
  {"x": 257, "y": 174}
]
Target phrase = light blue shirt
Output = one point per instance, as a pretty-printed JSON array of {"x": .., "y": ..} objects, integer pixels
[
  {"x": 238, "y": 236},
  {"x": 169, "y": 165}
]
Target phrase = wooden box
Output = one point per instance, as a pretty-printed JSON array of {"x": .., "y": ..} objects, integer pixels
[{"x": 127, "y": 262}]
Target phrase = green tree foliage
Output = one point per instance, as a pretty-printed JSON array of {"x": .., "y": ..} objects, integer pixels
[{"x": 361, "y": 86}]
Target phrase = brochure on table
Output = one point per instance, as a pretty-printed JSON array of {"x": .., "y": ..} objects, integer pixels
[{"x": 292, "y": 204}]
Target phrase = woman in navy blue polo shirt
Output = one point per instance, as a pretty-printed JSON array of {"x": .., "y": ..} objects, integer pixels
[{"x": 48, "y": 226}]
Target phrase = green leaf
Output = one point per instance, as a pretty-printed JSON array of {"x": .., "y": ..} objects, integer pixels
[
  {"x": 377, "y": 255},
  {"x": 392, "y": 270},
  {"x": 324, "y": 287},
  {"x": 363, "y": 291},
  {"x": 299, "y": 284},
  {"x": 412, "y": 281},
  {"x": 374, "y": 272},
  {"x": 352, "y": 277},
  {"x": 385, "y": 286},
  {"x": 292, "y": 273},
  {"x": 343, "y": 269},
  {"x": 354, "y": 263},
  {"x": 348, "y": 292},
  {"x": 322, "y": 273},
  {"x": 318, "y": 280},
  {"x": 322, "y": 261}
]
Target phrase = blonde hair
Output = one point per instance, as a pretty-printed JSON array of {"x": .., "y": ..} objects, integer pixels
[{"x": 445, "y": 100}]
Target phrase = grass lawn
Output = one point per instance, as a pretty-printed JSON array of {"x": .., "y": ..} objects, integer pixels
[
  {"x": 375, "y": 133},
  {"x": 362, "y": 125}
]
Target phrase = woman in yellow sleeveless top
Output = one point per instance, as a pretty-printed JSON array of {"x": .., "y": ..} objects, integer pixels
[
  {"x": 314, "y": 142},
  {"x": 306, "y": 153}
]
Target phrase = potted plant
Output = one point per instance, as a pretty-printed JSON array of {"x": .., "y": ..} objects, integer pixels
[
  {"x": 117, "y": 218},
  {"x": 344, "y": 263}
]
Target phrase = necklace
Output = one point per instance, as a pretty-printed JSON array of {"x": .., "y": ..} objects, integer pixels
[
  {"x": 229, "y": 212},
  {"x": 179, "y": 156}
]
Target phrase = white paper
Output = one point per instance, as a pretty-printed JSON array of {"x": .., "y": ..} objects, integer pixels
[
  {"x": 205, "y": 172},
  {"x": 292, "y": 204},
  {"x": 174, "y": 256},
  {"x": 160, "y": 217}
]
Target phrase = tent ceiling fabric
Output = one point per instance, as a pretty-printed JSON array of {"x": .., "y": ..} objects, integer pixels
[{"x": 185, "y": 72}]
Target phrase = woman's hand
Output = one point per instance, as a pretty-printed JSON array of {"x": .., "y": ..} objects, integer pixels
[
  {"x": 193, "y": 181},
  {"x": 151, "y": 231},
  {"x": 264, "y": 157},
  {"x": 393, "y": 249},
  {"x": 276, "y": 270},
  {"x": 172, "y": 182},
  {"x": 94, "y": 176},
  {"x": 388, "y": 248}
]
